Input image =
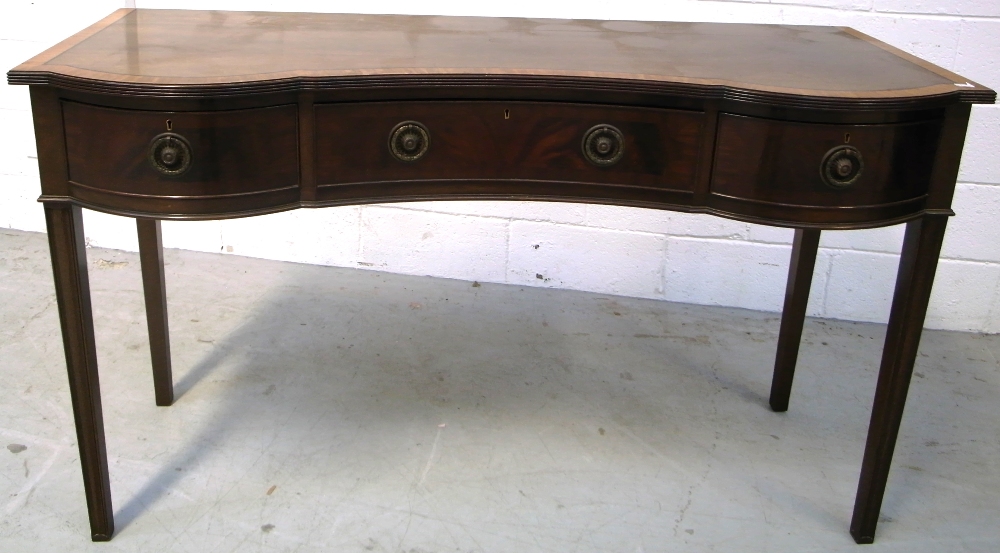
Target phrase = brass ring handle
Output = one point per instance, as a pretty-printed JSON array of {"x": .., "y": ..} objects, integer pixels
[
  {"x": 170, "y": 154},
  {"x": 603, "y": 145},
  {"x": 841, "y": 167},
  {"x": 409, "y": 141}
]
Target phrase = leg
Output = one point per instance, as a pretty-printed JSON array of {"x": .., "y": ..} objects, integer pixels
[
  {"x": 154, "y": 287},
  {"x": 917, "y": 264},
  {"x": 793, "y": 315},
  {"x": 69, "y": 268}
]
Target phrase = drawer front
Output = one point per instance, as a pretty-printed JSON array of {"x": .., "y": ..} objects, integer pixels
[
  {"x": 215, "y": 153},
  {"x": 508, "y": 140},
  {"x": 781, "y": 163}
]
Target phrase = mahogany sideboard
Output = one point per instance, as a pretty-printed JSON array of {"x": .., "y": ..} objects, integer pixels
[{"x": 206, "y": 114}]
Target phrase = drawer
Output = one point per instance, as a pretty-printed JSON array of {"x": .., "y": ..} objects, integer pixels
[
  {"x": 779, "y": 162},
  {"x": 208, "y": 154},
  {"x": 520, "y": 141}
]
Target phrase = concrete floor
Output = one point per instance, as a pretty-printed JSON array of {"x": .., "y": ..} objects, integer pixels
[{"x": 326, "y": 409}]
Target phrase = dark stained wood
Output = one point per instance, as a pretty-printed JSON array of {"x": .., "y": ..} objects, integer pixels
[
  {"x": 50, "y": 140},
  {"x": 307, "y": 146},
  {"x": 917, "y": 265},
  {"x": 778, "y": 162},
  {"x": 948, "y": 159},
  {"x": 294, "y": 110},
  {"x": 793, "y": 315},
  {"x": 235, "y": 152},
  {"x": 64, "y": 223},
  {"x": 506, "y": 141},
  {"x": 154, "y": 289},
  {"x": 706, "y": 154},
  {"x": 150, "y": 50}
]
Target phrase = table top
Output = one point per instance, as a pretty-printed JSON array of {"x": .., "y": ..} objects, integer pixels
[{"x": 222, "y": 52}]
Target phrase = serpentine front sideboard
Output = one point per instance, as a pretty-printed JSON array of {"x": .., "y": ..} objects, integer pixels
[{"x": 206, "y": 114}]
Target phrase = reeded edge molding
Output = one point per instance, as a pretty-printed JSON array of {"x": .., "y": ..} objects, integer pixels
[
  {"x": 495, "y": 197},
  {"x": 783, "y": 205},
  {"x": 932, "y": 96},
  {"x": 234, "y": 195}
]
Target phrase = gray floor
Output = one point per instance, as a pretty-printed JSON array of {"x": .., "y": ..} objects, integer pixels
[{"x": 325, "y": 409}]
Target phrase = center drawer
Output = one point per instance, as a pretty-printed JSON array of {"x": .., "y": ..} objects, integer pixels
[{"x": 532, "y": 141}]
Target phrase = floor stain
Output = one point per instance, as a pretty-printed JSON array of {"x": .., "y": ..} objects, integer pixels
[
  {"x": 267, "y": 528},
  {"x": 108, "y": 264},
  {"x": 16, "y": 448}
]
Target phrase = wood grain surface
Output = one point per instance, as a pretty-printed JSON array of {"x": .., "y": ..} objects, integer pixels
[{"x": 214, "y": 52}]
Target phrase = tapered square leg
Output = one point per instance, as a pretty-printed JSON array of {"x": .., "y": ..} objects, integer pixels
[
  {"x": 155, "y": 291},
  {"x": 793, "y": 315},
  {"x": 917, "y": 265},
  {"x": 69, "y": 268}
]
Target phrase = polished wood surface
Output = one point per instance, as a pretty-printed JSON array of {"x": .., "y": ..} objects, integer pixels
[
  {"x": 917, "y": 265},
  {"x": 793, "y": 315},
  {"x": 234, "y": 49},
  {"x": 154, "y": 286},
  {"x": 506, "y": 141},
  {"x": 770, "y": 161},
  {"x": 64, "y": 224},
  {"x": 208, "y": 115},
  {"x": 238, "y": 151}
]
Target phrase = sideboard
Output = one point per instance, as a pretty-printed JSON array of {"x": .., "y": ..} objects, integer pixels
[{"x": 169, "y": 114}]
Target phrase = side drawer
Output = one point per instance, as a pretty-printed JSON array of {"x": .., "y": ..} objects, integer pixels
[
  {"x": 228, "y": 153},
  {"x": 787, "y": 163},
  {"x": 524, "y": 141}
]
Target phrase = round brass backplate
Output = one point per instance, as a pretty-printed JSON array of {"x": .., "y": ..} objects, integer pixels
[
  {"x": 409, "y": 141},
  {"x": 841, "y": 167},
  {"x": 170, "y": 154},
  {"x": 603, "y": 145}
]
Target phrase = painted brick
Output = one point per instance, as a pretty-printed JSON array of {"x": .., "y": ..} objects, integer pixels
[
  {"x": 936, "y": 40},
  {"x": 837, "y": 4},
  {"x": 979, "y": 51},
  {"x": 774, "y": 235},
  {"x": 597, "y": 260},
  {"x": 435, "y": 244},
  {"x": 963, "y": 295},
  {"x": 993, "y": 322},
  {"x": 110, "y": 231},
  {"x": 679, "y": 10},
  {"x": 886, "y": 239},
  {"x": 17, "y": 143},
  {"x": 981, "y": 156},
  {"x": 664, "y": 222},
  {"x": 749, "y": 275},
  {"x": 50, "y": 21},
  {"x": 941, "y": 7},
  {"x": 528, "y": 211},
  {"x": 327, "y": 236},
  {"x": 972, "y": 232},
  {"x": 199, "y": 236},
  {"x": 12, "y": 54},
  {"x": 860, "y": 286},
  {"x": 19, "y": 207}
]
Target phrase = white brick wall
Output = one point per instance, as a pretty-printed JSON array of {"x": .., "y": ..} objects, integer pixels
[{"x": 634, "y": 252}]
